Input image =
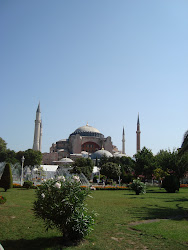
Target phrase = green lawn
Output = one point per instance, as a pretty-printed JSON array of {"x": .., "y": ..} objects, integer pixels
[{"x": 120, "y": 224}]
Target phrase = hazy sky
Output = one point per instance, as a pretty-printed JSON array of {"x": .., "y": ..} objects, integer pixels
[{"x": 99, "y": 62}]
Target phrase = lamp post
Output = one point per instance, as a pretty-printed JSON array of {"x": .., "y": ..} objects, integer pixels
[
  {"x": 23, "y": 158},
  {"x": 119, "y": 176}
]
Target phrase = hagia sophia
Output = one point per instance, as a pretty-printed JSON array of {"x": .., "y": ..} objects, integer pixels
[{"x": 85, "y": 141}]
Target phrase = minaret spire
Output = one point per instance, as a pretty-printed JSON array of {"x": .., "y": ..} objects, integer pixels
[
  {"x": 38, "y": 131},
  {"x": 40, "y": 139},
  {"x": 38, "y": 109},
  {"x": 138, "y": 135},
  {"x": 123, "y": 142}
]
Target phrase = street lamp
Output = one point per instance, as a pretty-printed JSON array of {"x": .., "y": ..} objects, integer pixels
[
  {"x": 23, "y": 158},
  {"x": 119, "y": 176}
]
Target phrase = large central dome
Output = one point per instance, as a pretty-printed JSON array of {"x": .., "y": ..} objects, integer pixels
[
  {"x": 87, "y": 131},
  {"x": 87, "y": 128}
]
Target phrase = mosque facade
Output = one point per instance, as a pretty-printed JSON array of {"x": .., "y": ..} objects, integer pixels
[{"x": 85, "y": 141}]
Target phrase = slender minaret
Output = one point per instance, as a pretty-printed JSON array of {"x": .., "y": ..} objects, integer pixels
[
  {"x": 40, "y": 139},
  {"x": 38, "y": 132},
  {"x": 138, "y": 135},
  {"x": 123, "y": 142}
]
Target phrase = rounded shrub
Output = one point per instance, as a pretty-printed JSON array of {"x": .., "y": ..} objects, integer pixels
[
  {"x": 28, "y": 184},
  {"x": 6, "y": 178},
  {"x": 138, "y": 186},
  {"x": 171, "y": 184},
  {"x": 61, "y": 203}
]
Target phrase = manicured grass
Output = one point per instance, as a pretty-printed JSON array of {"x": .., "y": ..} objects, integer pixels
[{"x": 114, "y": 227}]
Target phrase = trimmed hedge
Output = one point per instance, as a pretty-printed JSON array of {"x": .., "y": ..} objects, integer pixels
[
  {"x": 6, "y": 178},
  {"x": 171, "y": 184}
]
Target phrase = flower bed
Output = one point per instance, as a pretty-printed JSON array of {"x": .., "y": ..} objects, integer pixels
[
  {"x": 106, "y": 187},
  {"x": 183, "y": 185},
  {"x": 93, "y": 187},
  {"x": 15, "y": 185},
  {"x": 2, "y": 199}
]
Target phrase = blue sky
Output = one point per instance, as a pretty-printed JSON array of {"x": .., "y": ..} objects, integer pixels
[{"x": 99, "y": 62}]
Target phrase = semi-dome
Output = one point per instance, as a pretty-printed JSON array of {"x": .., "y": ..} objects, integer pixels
[
  {"x": 100, "y": 153},
  {"x": 88, "y": 131},
  {"x": 64, "y": 161}
]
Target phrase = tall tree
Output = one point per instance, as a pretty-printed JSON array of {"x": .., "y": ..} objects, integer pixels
[
  {"x": 172, "y": 162},
  {"x": 83, "y": 165},
  {"x": 111, "y": 170},
  {"x": 8, "y": 156},
  {"x": 32, "y": 157},
  {"x": 127, "y": 164},
  {"x": 3, "y": 145},
  {"x": 145, "y": 163},
  {"x": 104, "y": 159},
  {"x": 165, "y": 159}
]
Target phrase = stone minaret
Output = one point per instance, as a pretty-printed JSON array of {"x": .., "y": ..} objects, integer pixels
[
  {"x": 123, "y": 142},
  {"x": 38, "y": 131},
  {"x": 138, "y": 136},
  {"x": 40, "y": 140}
]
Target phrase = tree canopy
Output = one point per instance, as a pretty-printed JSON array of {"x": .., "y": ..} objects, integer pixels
[
  {"x": 145, "y": 163},
  {"x": 172, "y": 162},
  {"x": 83, "y": 165},
  {"x": 32, "y": 157},
  {"x": 110, "y": 170},
  {"x": 3, "y": 145}
]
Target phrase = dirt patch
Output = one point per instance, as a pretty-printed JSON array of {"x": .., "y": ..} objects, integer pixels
[
  {"x": 135, "y": 223},
  {"x": 178, "y": 217},
  {"x": 116, "y": 239}
]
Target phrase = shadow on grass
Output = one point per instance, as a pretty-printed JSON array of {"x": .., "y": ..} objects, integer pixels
[
  {"x": 55, "y": 243},
  {"x": 156, "y": 192},
  {"x": 158, "y": 212},
  {"x": 130, "y": 194},
  {"x": 178, "y": 200}
]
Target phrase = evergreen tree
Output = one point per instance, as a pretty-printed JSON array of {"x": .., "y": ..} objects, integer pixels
[{"x": 6, "y": 178}]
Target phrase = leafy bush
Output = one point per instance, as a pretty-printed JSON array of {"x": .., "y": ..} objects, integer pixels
[
  {"x": 171, "y": 184},
  {"x": 138, "y": 186},
  {"x": 2, "y": 200},
  {"x": 60, "y": 203},
  {"x": 28, "y": 184},
  {"x": 6, "y": 178}
]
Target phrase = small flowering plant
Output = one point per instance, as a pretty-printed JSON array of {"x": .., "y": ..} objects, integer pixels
[
  {"x": 138, "y": 186},
  {"x": 2, "y": 199},
  {"x": 61, "y": 203}
]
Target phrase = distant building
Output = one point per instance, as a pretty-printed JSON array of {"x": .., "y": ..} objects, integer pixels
[{"x": 83, "y": 142}]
